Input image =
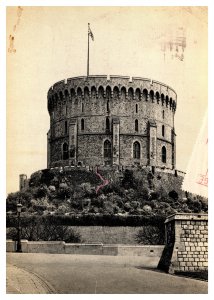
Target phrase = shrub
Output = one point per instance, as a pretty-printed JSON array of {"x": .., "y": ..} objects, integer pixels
[
  {"x": 45, "y": 230},
  {"x": 173, "y": 194},
  {"x": 150, "y": 235},
  {"x": 128, "y": 179}
]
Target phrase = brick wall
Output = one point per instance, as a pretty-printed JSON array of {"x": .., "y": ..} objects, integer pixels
[{"x": 186, "y": 248}]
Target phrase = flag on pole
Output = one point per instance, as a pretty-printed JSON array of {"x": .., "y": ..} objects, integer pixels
[{"x": 90, "y": 33}]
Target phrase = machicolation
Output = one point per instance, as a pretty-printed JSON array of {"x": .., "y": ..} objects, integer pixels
[{"x": 115, "y": 120}]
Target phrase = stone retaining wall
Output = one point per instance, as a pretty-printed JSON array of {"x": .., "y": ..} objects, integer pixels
[
  {"x": 186, "y": 248},
  {"x": 152, "y": 253}
]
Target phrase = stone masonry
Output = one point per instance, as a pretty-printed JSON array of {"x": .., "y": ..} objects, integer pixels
[
  {"x": 186, "y": 247},
  {"x": 117, "y": 120}
]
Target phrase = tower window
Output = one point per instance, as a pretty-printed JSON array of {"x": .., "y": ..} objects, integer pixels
[
  {"x": 163, "y": 154},
  {"x": 163, "y": 130},
  {"x": 107, "y": 124},
  {"x": 107, "y": 149},
  {"x": 136, "y": 108},
  {"x": 65, "y": 151},
  {"x": 82, "y": 124},
  {"x": 136, "y": 150},
  {"x": 163, "y": 114},
  {"x": 136, "y": 125},
  {"x": 66, "y": 127},
  {"x": 108, "y": 106}
]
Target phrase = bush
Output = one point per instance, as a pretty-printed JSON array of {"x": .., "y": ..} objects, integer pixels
[
  {"x": 45, "y": 230},
  {"x": 128, "y": 179},
  {"x": 173, "y": 194},
  {"x": 151, "y": 235}
]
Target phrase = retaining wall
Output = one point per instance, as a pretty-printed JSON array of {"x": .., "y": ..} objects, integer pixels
[
  {"x": 150, "y": 252},
  {"x": 186, "y": 247}
]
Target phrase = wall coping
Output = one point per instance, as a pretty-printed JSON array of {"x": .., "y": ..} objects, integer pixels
[{"x": 187, "y": 216}]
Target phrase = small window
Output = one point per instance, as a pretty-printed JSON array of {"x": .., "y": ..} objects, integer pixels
[
  {"x": 163, "y": 114},
  {"x": 82, "y": 124},
  {"x": 164, "y": 154},
  {"x": 136, "y": 125},
  {"x": 65, "y": 151},
  {"x": 82, "y": 107},
  {"x": 163, "y": 130},
  {"x": 107, "y": 149},
  {"x": 107, "y": 106},
  {"x": 136, "y": 108},
  {"x": 66, "y": 127},
  {"x": 136, "y": 150},
  {"x": 107, "y": 124}
]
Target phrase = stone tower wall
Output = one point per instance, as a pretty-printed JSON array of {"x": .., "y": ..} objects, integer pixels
[{"x": 89, "y": 102}]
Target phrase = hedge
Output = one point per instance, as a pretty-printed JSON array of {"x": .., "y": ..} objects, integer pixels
[{"x": 90, "y": 220}]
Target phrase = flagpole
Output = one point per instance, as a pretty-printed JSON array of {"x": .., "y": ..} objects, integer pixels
[{"x": 88, "y": 52}]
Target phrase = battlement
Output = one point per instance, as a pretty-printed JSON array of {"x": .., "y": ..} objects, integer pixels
[{"x": 136, "y": 88}]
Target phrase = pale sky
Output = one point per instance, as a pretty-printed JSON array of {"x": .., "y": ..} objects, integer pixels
[{"x": 51, "y": 45}]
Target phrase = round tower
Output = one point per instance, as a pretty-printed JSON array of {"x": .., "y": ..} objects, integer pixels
[{"x": 116, "y": 120}]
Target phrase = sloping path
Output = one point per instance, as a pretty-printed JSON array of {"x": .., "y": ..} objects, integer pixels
[
  {"x": 20, "y": 281},
  {"x": 91, "y": 274}
]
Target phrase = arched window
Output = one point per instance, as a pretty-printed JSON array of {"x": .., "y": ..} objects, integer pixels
[
  {"x": 93, "y": 92},
  {"x": 157, "y": 97},
  {"x": 137, "y": 94},
  {"x": 163, "y": 114},
  {"x": 136, "y": 125},
  {"x": 107, "y": 124},
  {"x": 163, "y": 130},
  {"x": 145, "y": 93},
  {"x": 61, "y": 95},
  {"x": 65, "y": 151},
  {"x": 162, "y": 99},
  {"x": 151, "y": 95},
  {"x": 130, "y": 93},
  {"x": 66, "y": 94},
  {"x": 82, "y": 124},
  {"x": 163, "y": 154},
  {"x": 66, "y": 127},
  {"x": 108, "y": 110},
  {"x": 136, "y": 150},
  {"x": 86, "y": 92},
  {"x": 108, "y": 92},
  {"x": 79, "y": 92},
  {"x": 107, "y": 149},
  {"x": 101, "y": 91},
  {"x": 123, "y": 92},
  {"x": 136, "y": 108}
]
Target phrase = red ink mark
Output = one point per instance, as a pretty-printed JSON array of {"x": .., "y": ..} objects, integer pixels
[
  {"x": 203, "y": 179},
  {"x": 104, "y": 181}
]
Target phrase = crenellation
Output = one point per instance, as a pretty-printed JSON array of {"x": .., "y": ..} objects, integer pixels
[{"x": 94, "y": 102}]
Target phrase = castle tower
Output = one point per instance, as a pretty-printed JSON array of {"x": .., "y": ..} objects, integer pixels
[
  {"x": 22, "y": 181},
  {"x": 116, "y": 120}
]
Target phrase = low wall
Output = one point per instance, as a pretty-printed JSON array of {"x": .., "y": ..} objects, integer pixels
[
  {"x": 186, "y": 247},
  {"x": 153, "y": 252}
]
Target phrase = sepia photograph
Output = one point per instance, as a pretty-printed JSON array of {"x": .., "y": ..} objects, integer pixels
[{"x": 107, "y": 150}]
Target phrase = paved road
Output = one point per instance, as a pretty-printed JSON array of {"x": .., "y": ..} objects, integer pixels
[{"x": 90, "y": 274}]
